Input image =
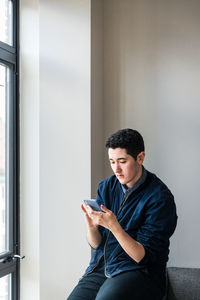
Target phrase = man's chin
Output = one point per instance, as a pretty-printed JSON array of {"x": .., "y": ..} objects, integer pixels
[{"x": 121, "y": 180}]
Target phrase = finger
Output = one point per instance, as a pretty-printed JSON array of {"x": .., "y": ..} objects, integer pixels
[
  {"x": 105, "y": 209},
  {"x": 83, "y": 208},
  {"x": 89, "y": 209}
]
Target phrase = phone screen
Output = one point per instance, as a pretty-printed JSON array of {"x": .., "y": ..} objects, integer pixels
[{"x": 93, "y": 204}]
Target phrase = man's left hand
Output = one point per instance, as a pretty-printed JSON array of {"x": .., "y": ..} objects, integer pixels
[{"x": 106, "y": 218}]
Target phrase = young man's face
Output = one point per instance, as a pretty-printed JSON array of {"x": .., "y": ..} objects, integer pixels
[{"x": 125, "y": 167}]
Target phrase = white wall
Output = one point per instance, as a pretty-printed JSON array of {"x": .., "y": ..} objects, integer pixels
[
  {"x": 97, "y": 114},
  {"x": 64, "y": 143},
  {"x": 151, "y": 83},
  {"x": 29, "y": 141},
  {"x": 55, "y": 145}
]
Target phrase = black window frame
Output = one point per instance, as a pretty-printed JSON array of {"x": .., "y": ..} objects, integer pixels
[{"x": 9, "y": 56}]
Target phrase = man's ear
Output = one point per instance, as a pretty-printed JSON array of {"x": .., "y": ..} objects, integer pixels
[{"x": 140, "y": 158}]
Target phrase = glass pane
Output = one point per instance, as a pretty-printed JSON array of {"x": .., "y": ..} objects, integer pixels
[
  {"x": 6, "y": 21},
  {"x": 5, "y": 288},
  {"x": 3, "y": 194}
]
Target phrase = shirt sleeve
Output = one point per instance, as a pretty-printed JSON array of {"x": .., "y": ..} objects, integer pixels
[{"x": 159, "y": 224}]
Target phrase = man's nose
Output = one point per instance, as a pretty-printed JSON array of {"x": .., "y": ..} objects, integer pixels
[{"x": 118, "y": 168}]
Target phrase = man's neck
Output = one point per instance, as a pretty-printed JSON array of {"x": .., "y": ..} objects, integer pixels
[{"x": 140, "y": 171}]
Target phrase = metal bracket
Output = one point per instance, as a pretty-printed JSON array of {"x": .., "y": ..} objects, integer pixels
[{"x": 13, "y": 257}]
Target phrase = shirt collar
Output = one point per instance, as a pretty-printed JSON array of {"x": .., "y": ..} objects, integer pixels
[{"x": 140, "y": 181}]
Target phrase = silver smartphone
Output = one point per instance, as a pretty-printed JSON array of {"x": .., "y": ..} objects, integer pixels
[{"x": 93, "y": 204}]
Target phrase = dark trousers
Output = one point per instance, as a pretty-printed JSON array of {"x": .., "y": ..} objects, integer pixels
[{"x": 130, "y": 285}]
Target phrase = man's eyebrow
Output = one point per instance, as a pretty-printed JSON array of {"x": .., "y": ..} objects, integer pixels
[{"x": 120, "y": 158}]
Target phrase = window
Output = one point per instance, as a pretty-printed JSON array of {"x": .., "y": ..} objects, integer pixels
[{"x": 9, "y": 158}]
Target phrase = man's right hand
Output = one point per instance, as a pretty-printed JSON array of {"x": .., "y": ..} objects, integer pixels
[
  {"x": 93, "y": 235},
  {"x": 90, "y": 223}
]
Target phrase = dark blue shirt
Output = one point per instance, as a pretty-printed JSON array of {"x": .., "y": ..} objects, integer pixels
[{"x": 148, "y": 215}]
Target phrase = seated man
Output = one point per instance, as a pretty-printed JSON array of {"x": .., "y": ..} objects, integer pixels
[{"x": 131, "y": 235}]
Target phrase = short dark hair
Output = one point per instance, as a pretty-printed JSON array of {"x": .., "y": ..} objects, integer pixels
[{"x": 128, "y": 139}]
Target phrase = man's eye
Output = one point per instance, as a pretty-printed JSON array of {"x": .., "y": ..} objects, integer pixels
[{"x": 123, "y": 161}]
